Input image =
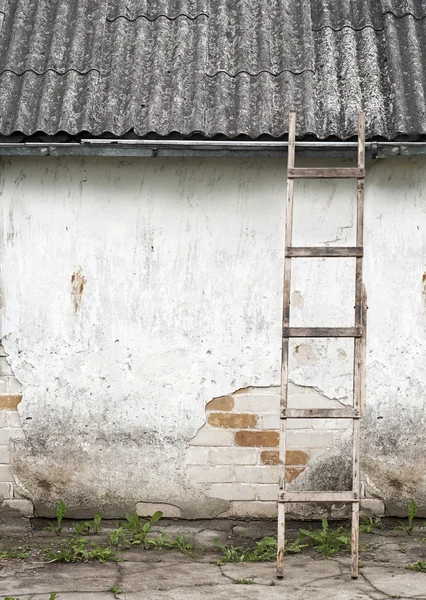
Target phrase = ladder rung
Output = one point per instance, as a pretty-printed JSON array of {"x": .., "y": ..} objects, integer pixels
[
  {"x": 318, "y": 497},
  {"x": 320, "y": 413},
  {"x": 326, "y": 173},
  {"x": 330, "y": 332},
  {"x": 311, "y": 251}
]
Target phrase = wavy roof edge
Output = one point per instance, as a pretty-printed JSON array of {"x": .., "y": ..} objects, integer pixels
[{"x": 76, "y": 66}]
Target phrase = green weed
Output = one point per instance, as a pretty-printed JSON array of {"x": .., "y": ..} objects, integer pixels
[
  {"x": 137, "y": 529},
  {"x": 89, "y": 527},
  {"x": 182, "y": 544},
  {"x": 328, "y": 542},
  {"x": 418, "y": 566},
  {"x": 115, "y": 590},
  {"x": 371, "y": 523},
  {"x": 61, "y": 509},
  {"x": 411, "y": 513},
  {"x": 78, "y": 549},
  {"x": 160, "y": 541},
  {"x": 8, "y": 553},
  {"x": 263, "y": 551},
  {"x": 244, "y": 581}
]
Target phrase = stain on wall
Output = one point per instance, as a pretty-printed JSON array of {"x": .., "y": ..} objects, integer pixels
[{"x": 78, "y": 281}]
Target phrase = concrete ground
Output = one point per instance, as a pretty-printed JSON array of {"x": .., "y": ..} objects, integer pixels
[{"x": 170, "y": 575}]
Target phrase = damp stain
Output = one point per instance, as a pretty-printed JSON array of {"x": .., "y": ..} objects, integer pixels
[{"x": 78, "y": 281}]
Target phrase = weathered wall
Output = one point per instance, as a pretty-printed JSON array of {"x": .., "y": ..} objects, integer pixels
[{"x": 136, "y": 291}]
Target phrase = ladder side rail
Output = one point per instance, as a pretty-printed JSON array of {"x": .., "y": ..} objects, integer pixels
[
  {"x": 358, "y": 349},
  {"x": 285, "y": 343}
]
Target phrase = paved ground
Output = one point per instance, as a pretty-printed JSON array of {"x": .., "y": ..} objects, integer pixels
[{"x": 169, "y": 575}]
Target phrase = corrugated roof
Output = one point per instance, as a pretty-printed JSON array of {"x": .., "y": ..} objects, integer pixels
[{"x": 230, "y": 67}]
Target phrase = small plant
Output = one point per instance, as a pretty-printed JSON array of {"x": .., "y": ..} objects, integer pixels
[
  {"x": 78, "y": 549},
  {"x": 61, "y": 509},
  {"x": 89, "y": 527},
  {"x": 115, "y": 590},
  {"x": 118, "y": 538},
  {"x": 411, "y": 513},
  {"x": 328, "y": 542},
  {"x": 138, "y": 529},
  {"x": 158, "y": 542},
  {"x": 273, "y": 582},
  {"x": 263, "y": 551},
  {"x": 244, "y": 581},
  {"x": 9, "y": 553},
  {"x": 182, "y": 544},
  {"x": 418, "y": 566},
  {"x": 371, "y": 523}
]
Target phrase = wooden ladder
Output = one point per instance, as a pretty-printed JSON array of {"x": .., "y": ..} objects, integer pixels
[{"x": 357, "y": 332}]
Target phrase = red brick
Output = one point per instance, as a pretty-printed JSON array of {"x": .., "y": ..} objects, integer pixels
[
  {"x": 221, "y": 403},
  {"x": 232, "y": 420},
  {"x": 293, "y": 457},
  {"x": 292, "y": 472},
  {"x": 268, "y": 439},
  {"x": 10, "y": 401}
]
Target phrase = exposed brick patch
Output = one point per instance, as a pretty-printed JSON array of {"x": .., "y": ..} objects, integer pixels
[
  {"x": 232, "y": 420},
  {"x": 268, "y": 439},
  {"x": 293, "y": 457},
  {"x": 269, "y": 457},
  {"x": 10, "y": 401},
  {"x": 221, "y": 403},
  {"x": 292, "y": 472}
]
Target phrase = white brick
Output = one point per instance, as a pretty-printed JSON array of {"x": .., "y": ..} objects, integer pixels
[
  {"x": 373, "y": 507},
  {"x": 24, "y": 507},
  {"x": 310, "y": 439},
  {"x": 5, "y": 436},
  {"x": 266, "y": 474},
  {"x": 16, "y": 433},
  {"x": 200, "y": 474},
  {"x": 5, "y": 491},
  {"x": 13, "y": 419},
  {"x": 233, "y": 491},
  {"x": 3, "y": 384},
  {"x": 257, "y": 403},
  {"x": 13, "y": 386},
  {"x": 254, "y": 509},
  {"x": 147, "y": 509},
  {"x": 4, "y": 455},
  {"x": 3, "y": 418},
  {"x": 272, "y": 421},
  {"x": 311, "y": 401},
  {"x": 234, "y": 456},
  {"x": 5, "y": 473},
  {"x": 301, "y": 423},
  {"x": 267, "y": 492},
  {"x": 197, "y": 455},
  {"x": 272, "y": 391},
  {"x": 213, "y": 437},
  {"x": 5, "y": 368},
  {"x": 332, "y": 424}
]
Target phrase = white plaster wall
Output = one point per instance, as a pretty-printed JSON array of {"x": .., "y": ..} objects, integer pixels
[{"x": 182, "y": 262}]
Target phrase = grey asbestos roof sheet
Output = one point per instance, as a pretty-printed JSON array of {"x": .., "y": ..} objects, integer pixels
[{"x": 231, "y": 67}]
